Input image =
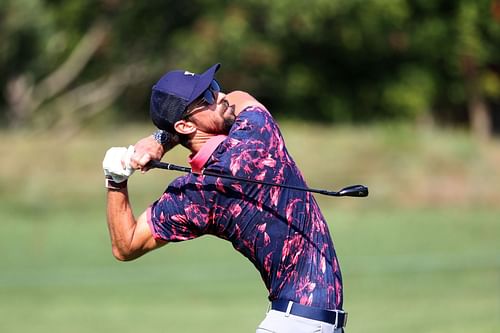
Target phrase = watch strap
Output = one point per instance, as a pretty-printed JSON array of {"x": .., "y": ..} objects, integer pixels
[{"x": 110, "y": 184}]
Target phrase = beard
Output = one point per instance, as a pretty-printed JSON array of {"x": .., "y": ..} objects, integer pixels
[
  {"x": 229, "y": 119},
  {"x": 228, "y": 124}
]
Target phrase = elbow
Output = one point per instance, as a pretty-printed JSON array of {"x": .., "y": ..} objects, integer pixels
[
  {"x": 123, "y": 255},
  {"x": 123, "y": 258}
]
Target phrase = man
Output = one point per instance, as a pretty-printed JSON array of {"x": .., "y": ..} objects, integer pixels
[{"x": 281, "y": 231}]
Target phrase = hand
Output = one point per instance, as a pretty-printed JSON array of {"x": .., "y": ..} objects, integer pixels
[
  {"x": 146, "y": 149},
  {"x": 116, "y": 163}
]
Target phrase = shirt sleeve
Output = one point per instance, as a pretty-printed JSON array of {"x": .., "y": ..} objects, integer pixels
[{"x": 181, "y": 213}]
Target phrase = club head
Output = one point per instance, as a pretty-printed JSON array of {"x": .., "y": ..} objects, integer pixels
[{"x": 354, "y": 191}]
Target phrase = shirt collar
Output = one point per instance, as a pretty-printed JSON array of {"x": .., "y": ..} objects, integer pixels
[{"x": 198, "y": 160}]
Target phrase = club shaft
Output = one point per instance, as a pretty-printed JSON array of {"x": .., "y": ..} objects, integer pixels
[{"x": 170, "y": 166}]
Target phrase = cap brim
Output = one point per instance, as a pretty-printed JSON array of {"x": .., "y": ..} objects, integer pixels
[{"x": 203, "y": 82}]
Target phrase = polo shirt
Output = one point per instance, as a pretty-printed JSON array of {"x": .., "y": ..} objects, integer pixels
[{"x": 281, "y": 231}]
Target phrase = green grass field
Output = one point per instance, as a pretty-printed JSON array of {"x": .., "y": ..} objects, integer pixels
[{"x": 413, "y": 260}]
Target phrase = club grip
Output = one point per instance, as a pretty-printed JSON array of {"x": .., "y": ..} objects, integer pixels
[
  {"x": 156, "y": 164},
  {"x": 167, "y": 166}
]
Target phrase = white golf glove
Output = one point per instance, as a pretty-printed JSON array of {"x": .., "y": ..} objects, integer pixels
[{"x": 116, "y": 163}]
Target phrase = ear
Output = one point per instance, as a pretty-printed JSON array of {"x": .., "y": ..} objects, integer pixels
[{"x": 184, "y": 127}]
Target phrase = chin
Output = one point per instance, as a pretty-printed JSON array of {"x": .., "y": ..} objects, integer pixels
[{"x": 228, "y": 123}]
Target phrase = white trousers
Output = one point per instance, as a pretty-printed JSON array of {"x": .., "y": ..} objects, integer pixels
[{"x": 280, "y": 322}]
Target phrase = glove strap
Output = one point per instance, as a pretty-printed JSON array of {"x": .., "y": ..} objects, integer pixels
[{"x": 110, "y": 184}]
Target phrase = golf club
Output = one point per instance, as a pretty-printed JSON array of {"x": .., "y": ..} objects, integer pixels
[{"x": 349, "y": 191}]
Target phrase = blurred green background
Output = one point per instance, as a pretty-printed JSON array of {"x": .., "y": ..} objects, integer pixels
[{"x": 403, "y": 96}]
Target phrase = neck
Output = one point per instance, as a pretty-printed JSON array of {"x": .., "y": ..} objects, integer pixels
[{"x": 198, "y": 141}]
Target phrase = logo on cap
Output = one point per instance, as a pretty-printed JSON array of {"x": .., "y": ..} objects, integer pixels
[{"x": 188, "y": 73}]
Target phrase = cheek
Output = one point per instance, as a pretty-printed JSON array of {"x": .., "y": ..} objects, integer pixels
[{"x": 214, "y": 122}]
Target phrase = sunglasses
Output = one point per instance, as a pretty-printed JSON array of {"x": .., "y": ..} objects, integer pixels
[{"x": 208, "y": 97}]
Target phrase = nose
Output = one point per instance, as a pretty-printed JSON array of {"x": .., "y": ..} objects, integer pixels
[{"x": 220, "y": 97}]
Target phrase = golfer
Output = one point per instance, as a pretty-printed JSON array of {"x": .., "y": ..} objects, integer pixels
[{"x": 281, "y": 231}]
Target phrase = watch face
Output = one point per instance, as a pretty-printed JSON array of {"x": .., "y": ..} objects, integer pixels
[{"x": 160, "y": 137}]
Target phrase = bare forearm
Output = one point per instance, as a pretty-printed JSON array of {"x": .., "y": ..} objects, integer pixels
[
  {"x": 130, "y": 237},
  {"x": 121, "y": 224}
]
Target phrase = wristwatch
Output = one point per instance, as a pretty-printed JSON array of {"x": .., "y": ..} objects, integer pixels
[
  {"x": 161, "y": 137},
  {"x": 166, "y": 139}
]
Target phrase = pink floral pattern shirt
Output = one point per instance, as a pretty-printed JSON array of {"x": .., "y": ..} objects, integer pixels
[{"x": 281, "y": 231}]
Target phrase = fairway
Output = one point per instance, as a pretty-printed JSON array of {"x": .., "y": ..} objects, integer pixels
[
  {"x": 423, "y": 270},
  {"x": 418, "y": 268}
]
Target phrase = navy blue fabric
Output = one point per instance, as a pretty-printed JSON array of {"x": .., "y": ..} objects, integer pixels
[{"x": 174, "y": 91}]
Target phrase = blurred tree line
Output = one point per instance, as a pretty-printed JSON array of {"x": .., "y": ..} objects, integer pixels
[{"x": 62, "y": 63}]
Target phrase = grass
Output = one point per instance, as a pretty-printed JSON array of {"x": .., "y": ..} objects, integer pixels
[{"x": 429, "y": 264}]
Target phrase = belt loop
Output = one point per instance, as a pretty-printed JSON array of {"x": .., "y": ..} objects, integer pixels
[{"x": 288, "y": 308}]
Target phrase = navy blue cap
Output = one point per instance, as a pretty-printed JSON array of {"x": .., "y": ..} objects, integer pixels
[{"x": 173, "y": 93}]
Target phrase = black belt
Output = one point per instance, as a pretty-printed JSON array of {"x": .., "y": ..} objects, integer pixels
[{"x": 338, "y": 318}]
